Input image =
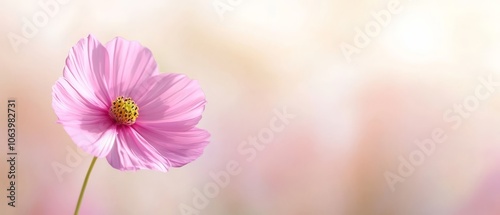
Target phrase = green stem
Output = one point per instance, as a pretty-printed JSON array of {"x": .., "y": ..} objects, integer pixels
[{"x": 84, "y": 185}]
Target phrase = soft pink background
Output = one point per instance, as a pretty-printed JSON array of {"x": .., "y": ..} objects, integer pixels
[{"x": 353, "y": 120}]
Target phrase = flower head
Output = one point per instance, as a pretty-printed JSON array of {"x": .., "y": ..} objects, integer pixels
[{"x": 114, "y": 103}]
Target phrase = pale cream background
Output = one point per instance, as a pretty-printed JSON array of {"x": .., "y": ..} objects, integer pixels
[{"x": 352, "y": 121}]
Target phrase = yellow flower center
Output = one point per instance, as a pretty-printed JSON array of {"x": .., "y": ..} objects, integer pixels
[{"x": 124, "y": 110}]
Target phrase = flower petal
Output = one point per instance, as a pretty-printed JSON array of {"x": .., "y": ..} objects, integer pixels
[
  {"x": 179, "y": 148},
  {"x": 88, "y": 124},
  {"x": 132, "y": 152},
  {"x": 95, "y": 138},
  {"x": 130, "y": 64},
  {"x": 86, "y": 66},
  {"x": 170, "y": 102},
  {"x": 71, "y": 105}
]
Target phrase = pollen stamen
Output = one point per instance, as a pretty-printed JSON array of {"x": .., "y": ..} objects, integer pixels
[{"x": 124, "y": 110}]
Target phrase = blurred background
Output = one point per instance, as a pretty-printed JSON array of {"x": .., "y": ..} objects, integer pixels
[{"x": 366, "y": 80}]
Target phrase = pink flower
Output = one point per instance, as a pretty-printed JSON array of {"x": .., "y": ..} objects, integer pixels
[{"x": 114, "y": 103}]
